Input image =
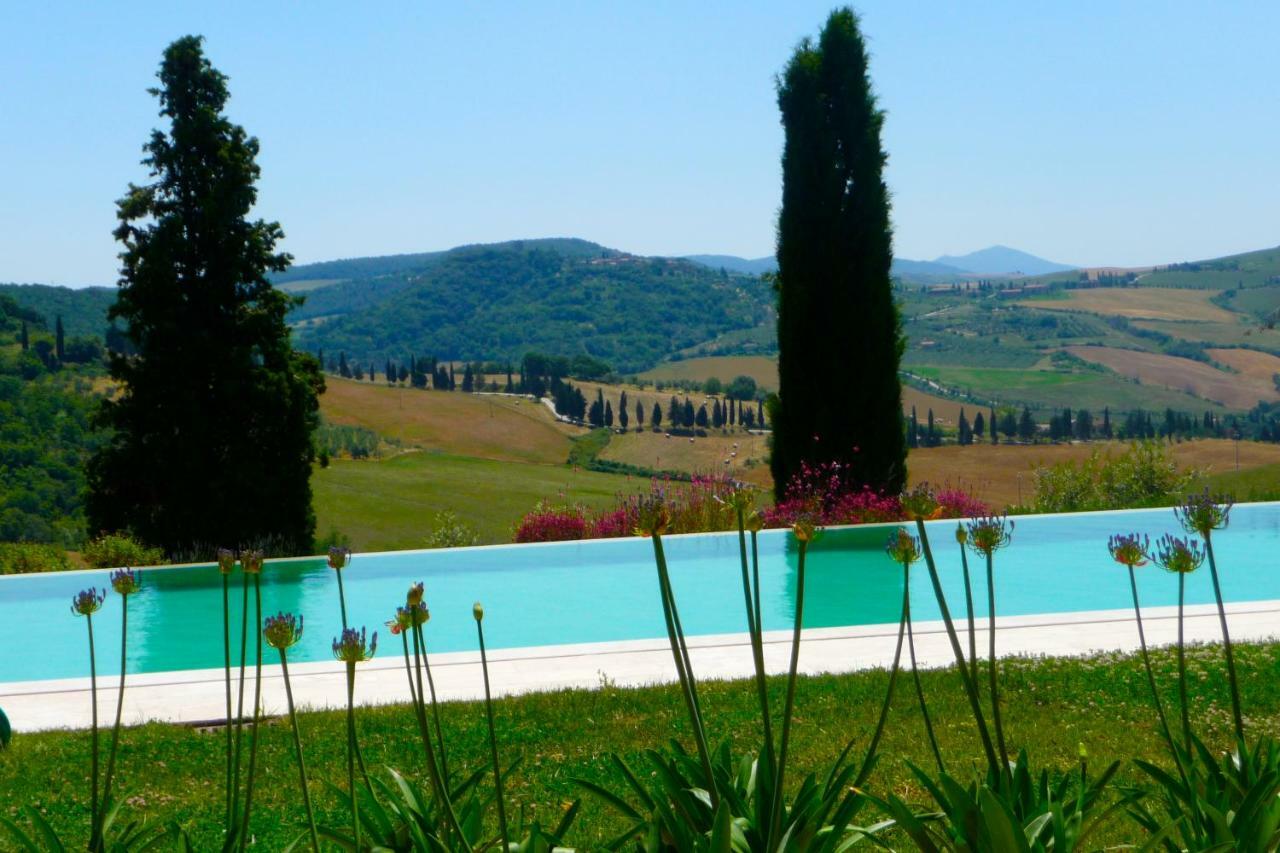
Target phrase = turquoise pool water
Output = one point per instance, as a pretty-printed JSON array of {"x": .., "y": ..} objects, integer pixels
[{"x": 577, "y": 592}]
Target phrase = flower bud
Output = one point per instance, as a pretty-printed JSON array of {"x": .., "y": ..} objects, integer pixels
[
  {"x": 339, "y": 558},
  {"x": 86, "y": 602},
  {"x": 477, "y": 610},
  {"x": 414, "y": 598},
  {"x": 282, "y": 630}
]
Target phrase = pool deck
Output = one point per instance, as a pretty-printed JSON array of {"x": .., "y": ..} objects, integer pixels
[{"x": 193, "y": 696}]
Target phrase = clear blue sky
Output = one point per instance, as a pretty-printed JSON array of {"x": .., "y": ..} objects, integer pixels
[{"x": 1089, "y": 132}]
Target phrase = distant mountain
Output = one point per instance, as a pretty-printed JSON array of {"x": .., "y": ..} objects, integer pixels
[
  {"x": 1001, "y": 260},
  {"x": 498, "y": 301},
  {"x": 902, "y": 267},
  {"x": 733, "y": 263}
]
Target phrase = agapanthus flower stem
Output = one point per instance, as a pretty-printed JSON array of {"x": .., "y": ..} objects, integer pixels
[
  {"x": 1237, "y": 715},
  {"x": 992, "y": 675},
  {"x": 493, "y": 742},
  {"x": 788, "y": 708},
  {"x": 683, "y": 671},
  {"x": 438, "y": 782},
  {"x": 968, "y": 602},
  {"x": 915, "y": 671},
  {"x": 302, "y": 765},
  {"x": 1146, "y": 663},
  {"x": 239, "y": 720},
  {"x": 408, "y": 667},
  {"x": 757, "y": 646},
  {"x": 226, "y": 653},
  {"x": 351, "y": 747},
  {"x": 342, "y": 606},
  {"x": 93, "y": 746},
  {"x": 869, "y": 761},
  {"x": 1182, "y": 667},
  {"x": 115, "y": 731},
  {"x": 435, "y": 712},
  {"x": 257, "y": 713},
  {"x": 969, "y": 684}
]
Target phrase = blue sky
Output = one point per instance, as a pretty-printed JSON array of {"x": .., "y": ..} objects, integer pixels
[{"x": 1085, "y": 132}]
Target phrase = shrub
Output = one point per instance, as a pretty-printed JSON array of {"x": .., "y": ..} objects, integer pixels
[
  {"x": 449, "y": 531},
  {"x": 114, "y": 550},
  {"x": 551, "y": 523},
  {"x": 1144, "y": 475},
  {"x": 20, "y": 558}
]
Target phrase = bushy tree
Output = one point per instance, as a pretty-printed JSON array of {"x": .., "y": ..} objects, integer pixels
[
  {"x": 835, "y": 297},
  {"x": 211, "y": 435}
]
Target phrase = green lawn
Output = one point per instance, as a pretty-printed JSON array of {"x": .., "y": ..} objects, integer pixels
[
  {"x": 1053, "y": 706},
  {"x": 1253, "y": 484},
  {"x": 389, "y": 505}
]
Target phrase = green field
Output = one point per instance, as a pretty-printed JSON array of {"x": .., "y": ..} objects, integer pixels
[
  {"x": 1054, "y": 706},
  {"x": 389, "y": 505},
  {"x": 1047, "y": 389}
]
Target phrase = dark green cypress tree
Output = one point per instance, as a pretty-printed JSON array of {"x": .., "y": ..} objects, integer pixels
[
  {"x": 835, "y": 297},
  {"x": 655, "y": 417},
  {"x": 913, "y": 430},
  {"x": 608, "y": 413},
  {"x": 688, "y": 413},
  {"x": 932, "y": 435},
  {"x": 640, "y": 415},
  {"x": 991, "y": 423},
  {"x": 211, "y": 438}
]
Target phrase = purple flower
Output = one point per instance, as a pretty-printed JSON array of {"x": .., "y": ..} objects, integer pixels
[
  {"x": 339, "y": 558},
  {"x": 125, "y": 581},
  {"x": 351, "y": 646},
  {"x": 1129, "y": 549},
  {"x": 283, "y": 630},
  {"x": 989, "y": 534},
  {"x": 1203, "y": 513},
  {"x": 87, "y": 602},
  {"x": 1181, "y": 556}
]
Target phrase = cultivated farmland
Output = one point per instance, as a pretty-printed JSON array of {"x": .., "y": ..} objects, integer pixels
[
  {"x": 1258, "y": 365},
  {"x": 1148, "y": 303},
  {"x": 1234, "y": 390}
]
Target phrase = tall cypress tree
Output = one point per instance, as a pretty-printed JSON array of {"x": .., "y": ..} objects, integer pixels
[
  {"x": 211, "y": 437},
  {"x": 835, "y": 299}
]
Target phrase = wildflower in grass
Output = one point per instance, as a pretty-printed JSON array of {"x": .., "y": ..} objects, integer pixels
[
  {"x": 1131, "y": 550},
  {"x": 282, "y": 632},
  {"x": 904, "y": 549},
  {"x": 86, "y": 603},
  {"x": 351, "y": 648},
  {"x": 1204, "y": 514},
  {"x": 986, "y": 536},
  {"x": 1182, "y": 557},
  {"x": 125, "y": 582},
  {"x": 477, "y": 611}
]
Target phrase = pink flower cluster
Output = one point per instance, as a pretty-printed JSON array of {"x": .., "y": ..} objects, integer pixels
[{"x": 824, "y": 494}]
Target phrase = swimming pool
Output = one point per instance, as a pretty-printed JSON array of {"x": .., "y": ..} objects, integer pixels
[{"x": 598, "y": 591}]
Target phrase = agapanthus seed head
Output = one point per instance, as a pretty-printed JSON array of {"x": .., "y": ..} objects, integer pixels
[
  {"x": 1129, "y": 549},
  {"x": 1178, "y": 555},
  {"x": 87, "y": 602},
  {"x": 962, "y": 535},
  {"x": 741, "y": 498},
  {"x": 920, "y": 503},
  {"x": 754, "y": 521},
  {"x": 903, "y": 547},
  {"x": 282, "y": 630},
  {"x": 126, "y": 581},
  {"x": 805, "y": 529},
  {"x": 1203, "y": 513},
  {"x": 477, "y": 610},
  {"x": 339, "y": 558},
  {"x": 988, "y": 534},
  {"x": 251, "y": 561},
  {"x": 414, "y": 596},
  {"x": 226, "y": 561},
  {"x": 351, "y": 646}
]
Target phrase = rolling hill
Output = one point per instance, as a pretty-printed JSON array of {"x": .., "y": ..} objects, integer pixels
[
  {"x": 1001, "y": 260},
  {"x": 498, "y": 301}
]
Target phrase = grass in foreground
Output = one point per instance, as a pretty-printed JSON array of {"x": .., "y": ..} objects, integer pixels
[{"x": 1052, "y": 705}]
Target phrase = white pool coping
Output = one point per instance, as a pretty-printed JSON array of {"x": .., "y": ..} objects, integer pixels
[{"x": 191, "y": 696}]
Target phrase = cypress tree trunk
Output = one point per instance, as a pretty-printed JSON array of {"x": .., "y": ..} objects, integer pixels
[{"x": 835, "y": 298}]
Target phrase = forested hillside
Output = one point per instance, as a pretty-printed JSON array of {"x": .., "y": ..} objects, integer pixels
[{"x": 560, "y": 297}]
